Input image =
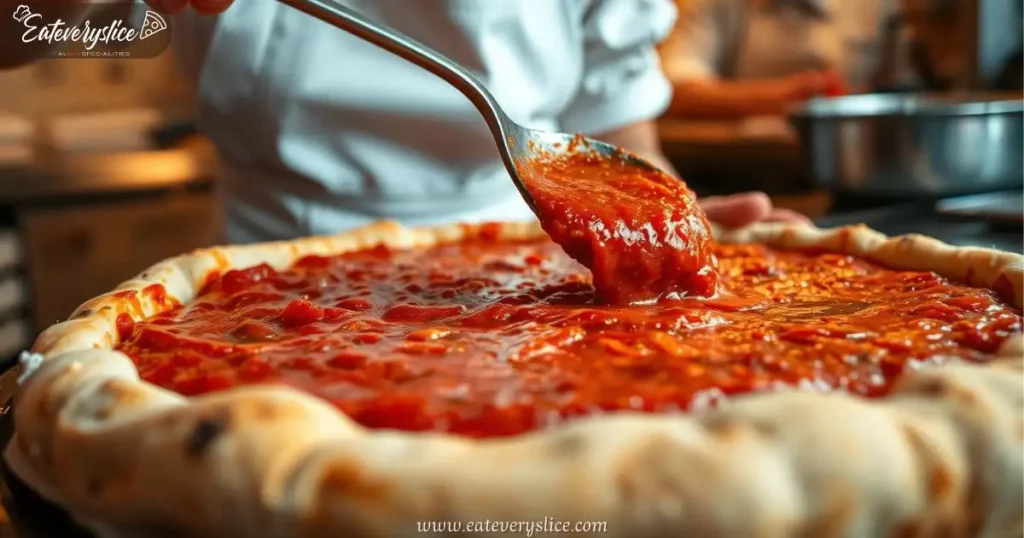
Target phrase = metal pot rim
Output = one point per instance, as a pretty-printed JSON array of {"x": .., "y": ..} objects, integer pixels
[{"x": 892, "y": 105}]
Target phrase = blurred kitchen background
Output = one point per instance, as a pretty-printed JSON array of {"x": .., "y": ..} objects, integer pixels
[{"x": 102, "y": 174}]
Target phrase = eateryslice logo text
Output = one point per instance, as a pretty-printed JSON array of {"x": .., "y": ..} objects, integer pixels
[{"x": 59, "y": 31}]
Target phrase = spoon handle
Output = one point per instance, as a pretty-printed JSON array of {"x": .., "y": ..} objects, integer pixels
[{"x": 403, "y": 46}]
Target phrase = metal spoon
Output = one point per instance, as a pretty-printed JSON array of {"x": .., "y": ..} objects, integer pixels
[{"x": 518, "y": 146}]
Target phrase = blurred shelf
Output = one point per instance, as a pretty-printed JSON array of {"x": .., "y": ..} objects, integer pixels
[{"x": 56, "y": 176}]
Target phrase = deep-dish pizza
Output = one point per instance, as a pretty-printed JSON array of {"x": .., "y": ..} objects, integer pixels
[{"x": 840, "y": 384}]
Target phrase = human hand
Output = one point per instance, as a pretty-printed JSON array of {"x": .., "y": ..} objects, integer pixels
[
  {"x": 801, "y": 86},
  {"x": 739, "y": 210},
  {"x": 805, "y": 85},
  {"x": 835, "y": 86}
]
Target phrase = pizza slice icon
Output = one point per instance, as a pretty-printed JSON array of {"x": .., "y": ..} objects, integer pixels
[{"x": 153, "y": 24}]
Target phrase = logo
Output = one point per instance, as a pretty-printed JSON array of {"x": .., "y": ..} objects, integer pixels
[
  {"x": 61, "y": 29},
  {"x": 21, "y": 13},
  {"x": 154, "y": 24}
]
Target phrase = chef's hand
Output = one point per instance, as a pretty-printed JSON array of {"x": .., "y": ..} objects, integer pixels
[
  {"x": 736, "y": 99},
  {"x": 741, "y": 209},
  {"x": 805, "y": 85}
]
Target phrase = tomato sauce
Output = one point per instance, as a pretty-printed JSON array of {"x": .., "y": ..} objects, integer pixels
[
  {"x": 493, "y": 339},
  {"x": 639, "y": 231}
]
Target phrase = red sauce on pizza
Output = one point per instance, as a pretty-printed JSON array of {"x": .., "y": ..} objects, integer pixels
[
  {"x": 491, "y": 339},
  {"x": 639, "y": 231}
]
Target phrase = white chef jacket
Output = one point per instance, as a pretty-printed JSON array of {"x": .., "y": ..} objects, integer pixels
[
  {"x": 735, "y": 39},
  {"x": 319, "y": 131}
]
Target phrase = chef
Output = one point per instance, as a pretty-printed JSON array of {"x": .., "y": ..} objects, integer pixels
[
  {"x": 736, "y": 58},
  {"x": 319, "y": 132}
]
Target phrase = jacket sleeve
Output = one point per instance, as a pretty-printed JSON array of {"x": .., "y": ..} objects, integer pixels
[{"x": 622, "y": 81}]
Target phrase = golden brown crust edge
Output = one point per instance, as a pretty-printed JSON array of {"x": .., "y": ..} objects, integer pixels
[{"x": 941, "y": 456}]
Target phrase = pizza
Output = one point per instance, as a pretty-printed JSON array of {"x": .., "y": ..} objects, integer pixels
[{"x": 842, "y": 383}]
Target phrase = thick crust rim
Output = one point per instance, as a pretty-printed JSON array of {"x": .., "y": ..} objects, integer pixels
[{"x": 941, "y": 453}]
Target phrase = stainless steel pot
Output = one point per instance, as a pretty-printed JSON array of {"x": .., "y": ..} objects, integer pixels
[{"x": 913, "y": 145}]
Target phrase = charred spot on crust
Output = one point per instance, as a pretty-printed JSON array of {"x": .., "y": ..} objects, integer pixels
[
  {"x": 978, "y": 506},
  {"x": 568, "y": 444},
  {"x": 906, "y": 243},
  {"x": 265, "y": 410},
  {"x": 118, "y": 390},
  {"x": 84, "y": 313},
  {"x": 934, "y": 387},
  {"x": 438, "y": 502},
  {"x": 943, "y": 389},
  {"x": 55, "y": 401},
  {"x": 651, "y": 470},
  {"x": 726, "y": 426},
  {"x": 837, "y": 510},
  {"x": 167, "y": 421},
  {"x": 104, "y": 413},
  {"x": 205, "y": 433},
  {"x": 347, "y": 478},
  {"x": 940, "y": 480},
  {"x": 118, "y": 394},
  {"x": 42, "y": 408}
]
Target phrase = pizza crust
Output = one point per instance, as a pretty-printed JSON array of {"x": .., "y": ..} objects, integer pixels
[{"x": 940, "y": 456}]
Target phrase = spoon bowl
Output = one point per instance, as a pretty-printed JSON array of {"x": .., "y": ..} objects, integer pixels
[{"x": 518, "y": 146}]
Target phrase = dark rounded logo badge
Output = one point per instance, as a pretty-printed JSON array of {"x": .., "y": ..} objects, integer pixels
[{"x": 33, "y": 30}]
